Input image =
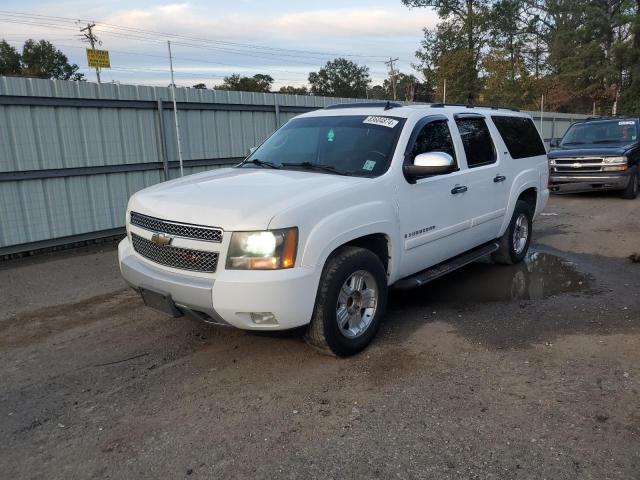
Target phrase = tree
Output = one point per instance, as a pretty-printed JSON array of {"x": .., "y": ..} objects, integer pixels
[
  {"x": 258, "y": 83},
  {"x": 340, "y": 78},
  {"x": 9, "y": 60},
  {"x": 43, "y": 60},
  {"x": 466, "y": 26},
  {"x": 630, "y": 96},
  {"x": 409, "y": 88},
  {"x": 378, "y": 92},
  {"x": 200, "y": 86},
  {"x": 294, "y": 90}
]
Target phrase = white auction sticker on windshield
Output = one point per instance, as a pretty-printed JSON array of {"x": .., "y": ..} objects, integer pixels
[
  {"x": 627, "y": 122},
  {"x": 384, "y": 121}
]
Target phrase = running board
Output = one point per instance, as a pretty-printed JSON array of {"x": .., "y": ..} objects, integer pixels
[{"x": 426, "y": 276}]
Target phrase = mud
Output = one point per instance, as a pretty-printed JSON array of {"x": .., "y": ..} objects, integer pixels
[{"x": 495, "y": 372}]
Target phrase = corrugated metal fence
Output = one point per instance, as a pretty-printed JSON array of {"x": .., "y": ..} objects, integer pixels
[{"x": 71, "y": 153}]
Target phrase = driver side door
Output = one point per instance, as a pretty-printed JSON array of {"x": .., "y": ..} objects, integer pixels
[{"x": 434, "y": 211}]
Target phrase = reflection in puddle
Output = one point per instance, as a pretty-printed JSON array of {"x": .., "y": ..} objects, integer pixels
[{"x": 540, "y": 276}]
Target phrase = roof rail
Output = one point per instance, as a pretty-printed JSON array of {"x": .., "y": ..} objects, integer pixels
[
  {"x": 385, "y": 105},
  {"x": 467, "y": 105}
]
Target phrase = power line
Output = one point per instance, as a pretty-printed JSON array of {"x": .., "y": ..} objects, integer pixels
[{"x": 292, "y": 52}]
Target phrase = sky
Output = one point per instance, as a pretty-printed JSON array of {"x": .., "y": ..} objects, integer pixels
[{"x": 284, "y": 39}]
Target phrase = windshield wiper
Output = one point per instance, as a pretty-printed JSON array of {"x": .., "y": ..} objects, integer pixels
[
  {"x": 263, "y": 163},
  {"x": 316, "y": 166},
  {"x": 572, "y": 143}
]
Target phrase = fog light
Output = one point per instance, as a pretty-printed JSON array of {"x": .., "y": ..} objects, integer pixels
[{"x": 263, "y": 318}]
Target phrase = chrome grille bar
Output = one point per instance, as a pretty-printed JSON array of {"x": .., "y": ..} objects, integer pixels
[
  {"x": 182, "y": 258},
  {"x": 177, "y": 229}
]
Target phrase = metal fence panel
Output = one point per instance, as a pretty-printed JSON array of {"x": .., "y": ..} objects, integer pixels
[{"x": 71, "y": 153}]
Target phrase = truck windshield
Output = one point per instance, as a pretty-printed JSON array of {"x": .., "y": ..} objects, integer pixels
[
  {"x": 356, "y": 145},
  {"x": 609, "y": 131}
]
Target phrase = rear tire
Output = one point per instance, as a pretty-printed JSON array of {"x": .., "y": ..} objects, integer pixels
[
  {"x": 515, "y": 242},
  {"x": 631, "y": 192},
  {"x": 350, "y": 304}
]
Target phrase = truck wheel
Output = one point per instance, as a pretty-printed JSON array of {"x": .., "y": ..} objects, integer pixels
[
  {"x": 631, "y": 191},
  {"x": 514, "y": 244},
  {"x": 350, "y": 303}
]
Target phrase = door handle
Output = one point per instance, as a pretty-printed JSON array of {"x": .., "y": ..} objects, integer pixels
[
  {"x": 459, "y": 189},
  {"x": 499, "y": 178}
]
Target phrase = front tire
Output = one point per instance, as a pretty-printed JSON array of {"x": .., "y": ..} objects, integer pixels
[
  {"x": 631, "y": 192},
  {"x": 350, "y": 304},
  {"x": 515, "y": 242}
]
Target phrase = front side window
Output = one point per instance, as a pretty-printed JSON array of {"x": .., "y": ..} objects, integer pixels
[
  {"x": 520, "y": 136},
  {"x": 607, "y": 131},
  {"x": 356, "y": 145},
  {"x": 477, "y": 142},
  {"x": 434, "y": 137}
]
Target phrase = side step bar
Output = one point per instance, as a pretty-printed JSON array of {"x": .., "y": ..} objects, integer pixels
[{"x": 431, "y": 273}]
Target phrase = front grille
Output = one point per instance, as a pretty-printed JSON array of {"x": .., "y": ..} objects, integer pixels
[
  {"x": 183, "y": 258},
  {"x": 199, "y": 232},
  {"x": 578, "y": 165}
]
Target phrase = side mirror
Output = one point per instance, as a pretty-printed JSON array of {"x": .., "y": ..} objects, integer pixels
[
  {"x": 554, "y": 143},
  {"x": 427, "y": 164},
  {"x": 252, "y": 149}
]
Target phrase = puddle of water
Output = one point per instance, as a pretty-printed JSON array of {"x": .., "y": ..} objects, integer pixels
[{"x": 540, "y": 276}]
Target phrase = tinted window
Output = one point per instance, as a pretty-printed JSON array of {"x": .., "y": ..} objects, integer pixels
[
  {"x": 520, "y": 136},
  {"x": 434, "y": 137},
  {"x": 608, "y": 131},
  {"x": 477, "y": 142},
  {"x": 353, "y": 144}
]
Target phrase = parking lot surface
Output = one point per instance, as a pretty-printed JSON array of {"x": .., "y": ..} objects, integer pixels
[{"x": 529, "y": 371}]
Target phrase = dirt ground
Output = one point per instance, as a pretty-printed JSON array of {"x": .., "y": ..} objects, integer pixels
[{"x": 494, "y": 372}]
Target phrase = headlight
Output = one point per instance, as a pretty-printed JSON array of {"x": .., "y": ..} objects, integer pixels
[
  {"x": 612, "y": 164},
  {"x": 614, "y": 160},
  {"x": 269, "y": 250}
]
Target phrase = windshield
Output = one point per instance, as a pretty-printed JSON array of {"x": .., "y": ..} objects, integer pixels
[
  {"x": 357, "y": 145},
  {"x": 610, "y": 131}
]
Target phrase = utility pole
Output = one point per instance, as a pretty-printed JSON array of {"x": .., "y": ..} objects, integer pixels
[
  {"x": 175, "y": 109},
  {"x": 392, "y": 75},
  {"x": 444, "y": 91},
  {"x": 88, "y": 34}
]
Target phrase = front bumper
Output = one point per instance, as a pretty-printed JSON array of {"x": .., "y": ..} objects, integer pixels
[
  {"x": 562, "y": 183},
  {"x": 229, "y": 296}
]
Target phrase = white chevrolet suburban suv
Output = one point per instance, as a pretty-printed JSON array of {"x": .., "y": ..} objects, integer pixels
[{"x": 339, "y": 204}]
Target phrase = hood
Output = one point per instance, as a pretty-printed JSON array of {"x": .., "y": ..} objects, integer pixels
[
  {"x": 237, "y": 198},
  {"x": 595, "y": 150}
]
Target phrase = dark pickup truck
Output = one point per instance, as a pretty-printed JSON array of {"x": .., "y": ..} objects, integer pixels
[{"x": 597, "y": 154}]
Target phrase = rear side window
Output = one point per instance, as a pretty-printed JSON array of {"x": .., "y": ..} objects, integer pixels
[
  {"x": 478, "y": 145},
  {"x": 434, "y": 137},
  {"x": 520, "y": 136}
]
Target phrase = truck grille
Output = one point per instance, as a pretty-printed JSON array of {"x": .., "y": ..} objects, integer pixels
[
  {"x": 198, "y": 232},
  {"x": 578, "y": 165},
  {"x": 183, "y": 258}
]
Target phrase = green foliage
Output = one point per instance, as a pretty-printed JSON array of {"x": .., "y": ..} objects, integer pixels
[
  {"x": 340, "y": 78},
  {"x": 38, "y": 59},
  {"x": 9, "y": 59},
  {"x": 258, "y": 83},
  {"x": 200, "y": 86},
  {"x": 578, "y": 54},
  {"x": 294, "y": 90}
]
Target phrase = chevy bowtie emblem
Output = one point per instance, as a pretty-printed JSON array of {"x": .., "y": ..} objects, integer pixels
[
  {"x": 161, "y": 239},
  {"x": 576, "y": 165}
]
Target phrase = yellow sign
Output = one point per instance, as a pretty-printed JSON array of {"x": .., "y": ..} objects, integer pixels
[{"x": 98, "y": 58}]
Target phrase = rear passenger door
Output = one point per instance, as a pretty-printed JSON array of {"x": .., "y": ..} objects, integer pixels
[{"x": 486, "y": 183}]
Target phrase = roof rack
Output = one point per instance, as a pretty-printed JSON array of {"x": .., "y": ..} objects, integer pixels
[
  {"x": 467, "y": 105},
  {"x": 385, "y": 105}
]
